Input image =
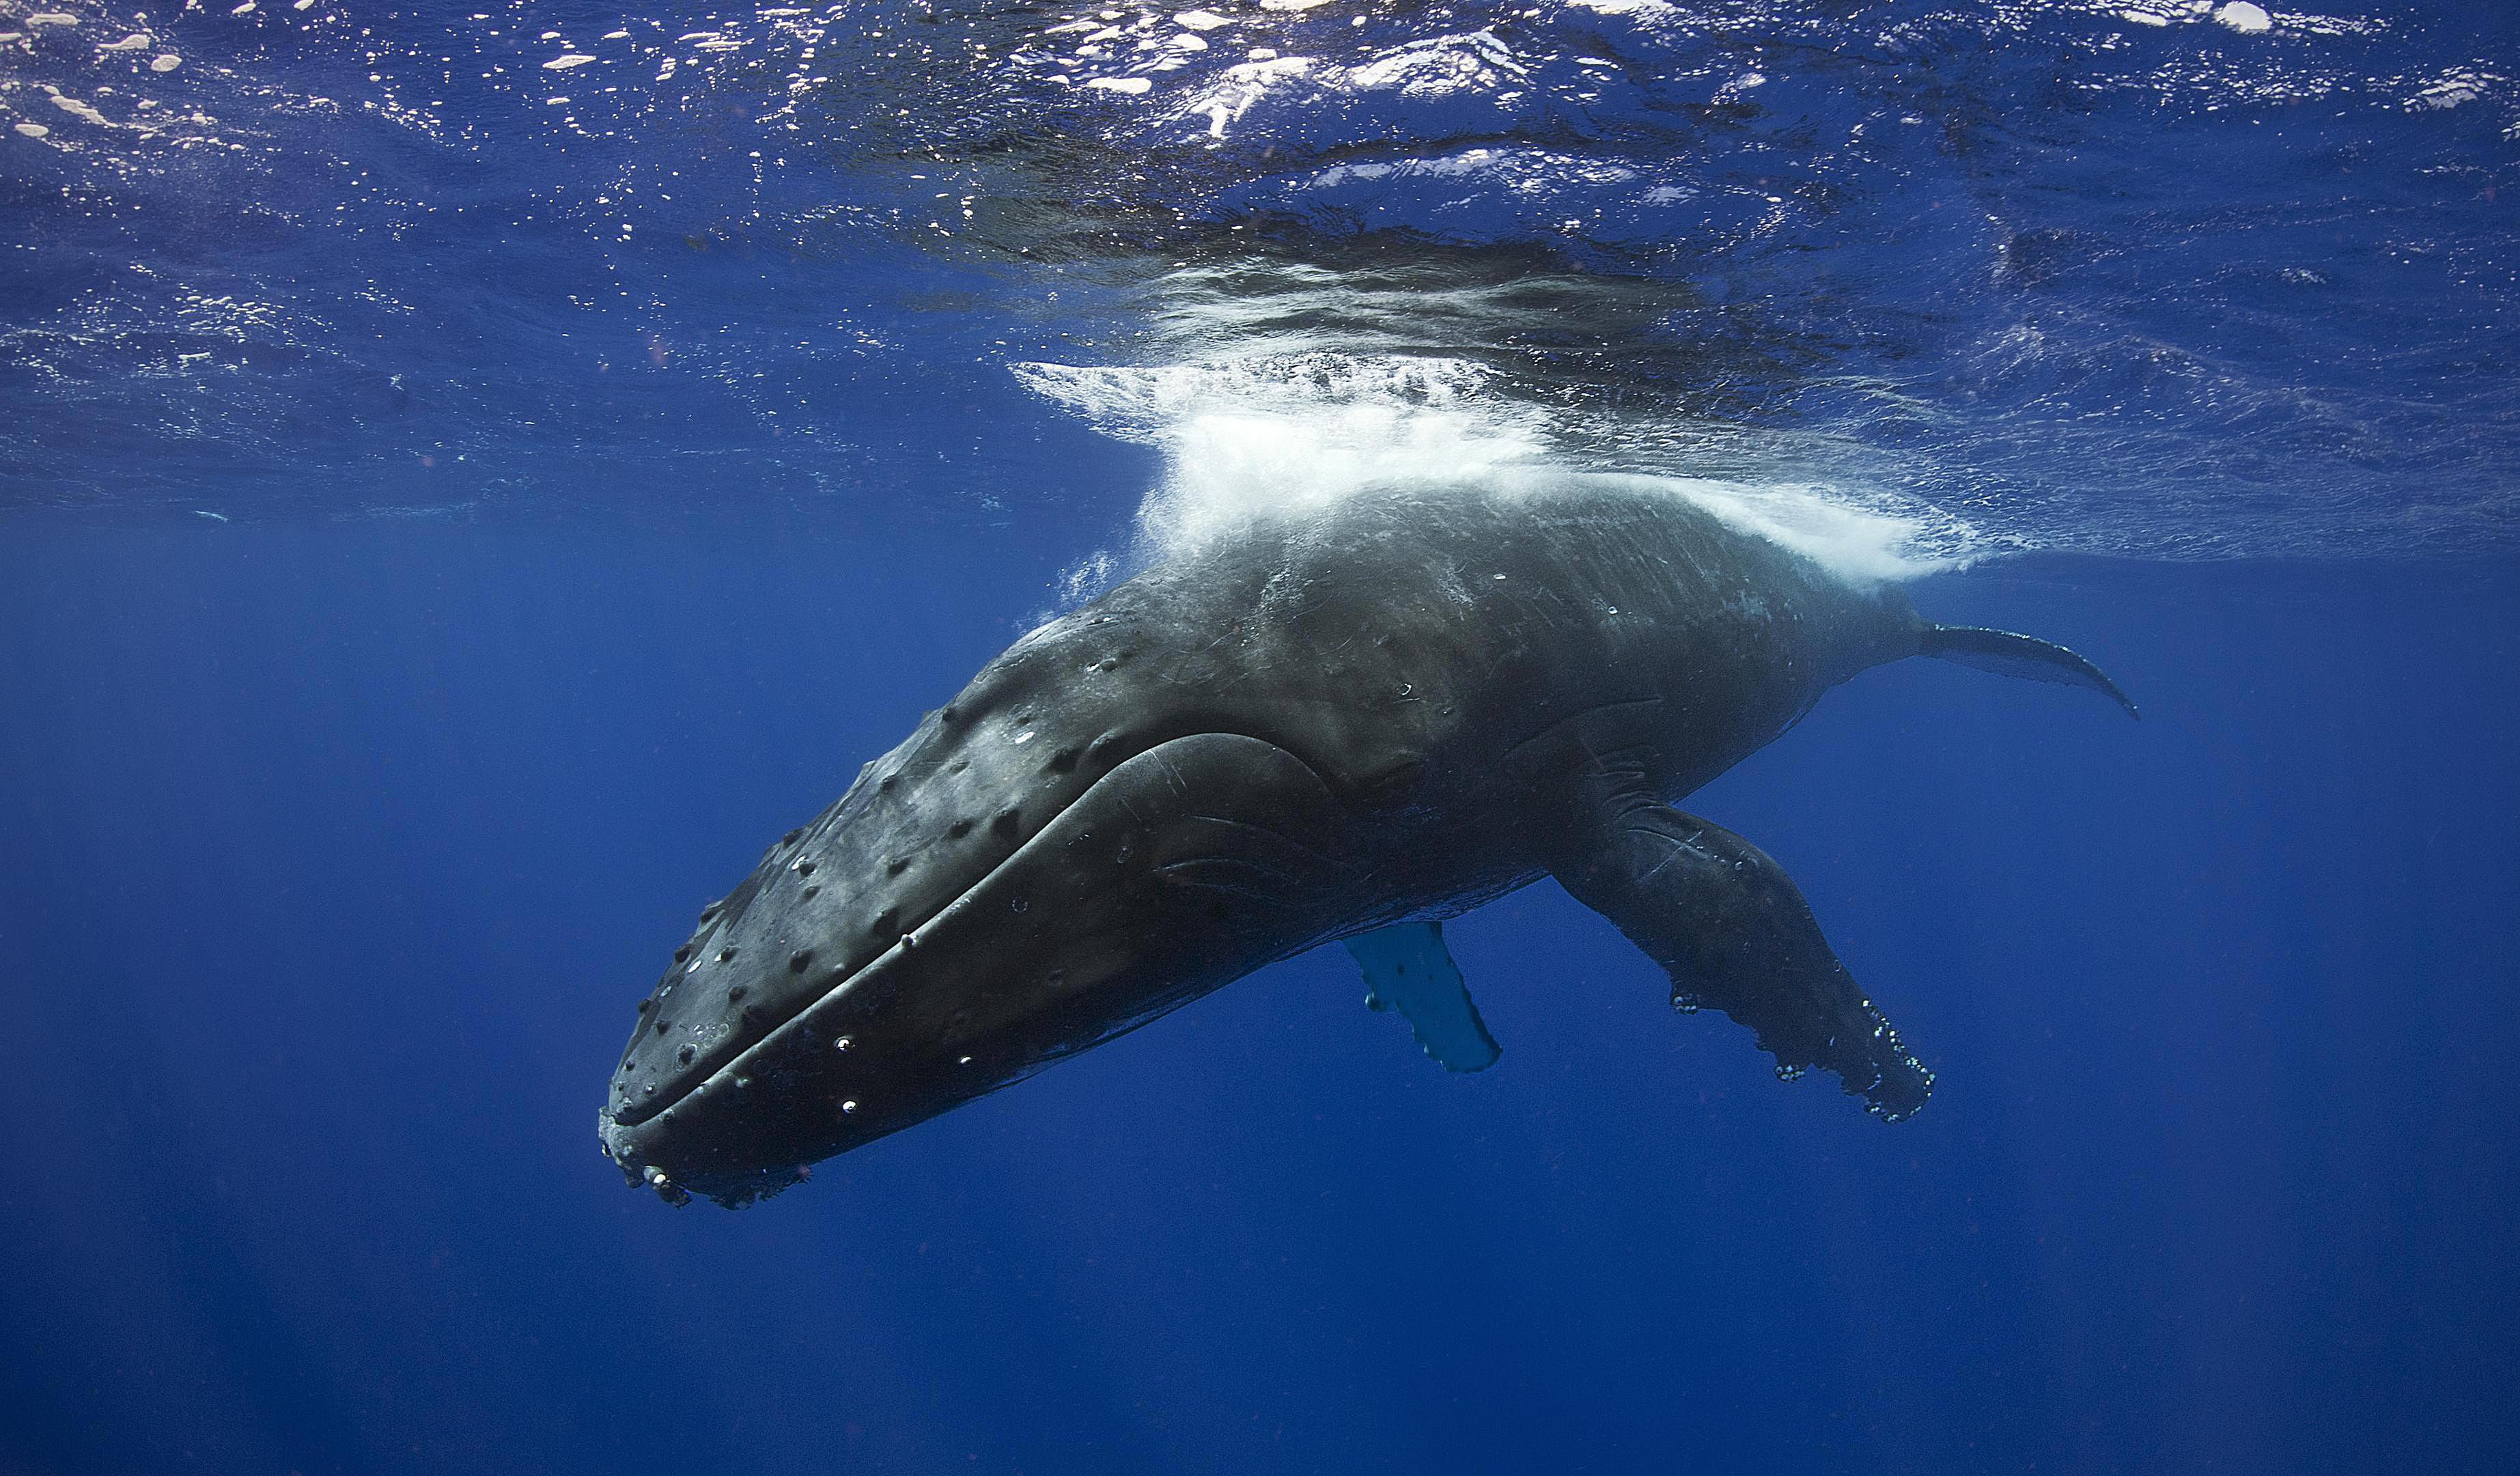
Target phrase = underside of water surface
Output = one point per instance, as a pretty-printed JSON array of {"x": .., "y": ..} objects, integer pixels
[{"x": 2145, "y": 277}]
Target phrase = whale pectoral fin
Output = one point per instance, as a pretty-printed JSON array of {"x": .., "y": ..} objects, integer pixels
[
  {"x": 1734, "y": 932},
  {"x": 1408, "y": 968},
  {"x": 2008, "y": 654}
]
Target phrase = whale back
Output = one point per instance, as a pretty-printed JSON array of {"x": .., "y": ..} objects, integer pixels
[{"x": 1413, "y": 642}]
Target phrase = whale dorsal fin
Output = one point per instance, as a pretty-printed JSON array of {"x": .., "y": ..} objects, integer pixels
[
  {"x": 1733, "y": 931},
  {"x": 1408, "y": 968}
]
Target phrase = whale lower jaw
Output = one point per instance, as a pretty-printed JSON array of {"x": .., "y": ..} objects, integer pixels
[{"x": 1186, "y": 867}]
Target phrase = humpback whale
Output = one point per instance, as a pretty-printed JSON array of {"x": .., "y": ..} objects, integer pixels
[{"x": 1345, "y": 725}]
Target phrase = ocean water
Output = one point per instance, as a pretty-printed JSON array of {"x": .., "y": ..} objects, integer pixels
[{"x": 470, "y": 476}]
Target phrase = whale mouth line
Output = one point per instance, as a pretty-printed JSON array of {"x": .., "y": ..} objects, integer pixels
[
  {"x": 720, "y": 1078},
  {"x": 649, "y": 1111}
]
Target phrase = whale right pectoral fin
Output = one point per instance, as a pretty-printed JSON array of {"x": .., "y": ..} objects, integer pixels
[{"x": 1734, "y": 932}]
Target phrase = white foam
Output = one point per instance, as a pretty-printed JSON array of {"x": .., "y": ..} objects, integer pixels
[
  {"x": 1863, "y": 539},
  {"x": 2244, "y": 18},
  {"x": 1286, "y": 435}
]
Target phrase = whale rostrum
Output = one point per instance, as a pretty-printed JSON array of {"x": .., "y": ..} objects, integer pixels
[{"x": 1345, "y": 725}]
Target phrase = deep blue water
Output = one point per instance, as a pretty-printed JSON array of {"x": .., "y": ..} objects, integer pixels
[{"x": 445, "y": 533}]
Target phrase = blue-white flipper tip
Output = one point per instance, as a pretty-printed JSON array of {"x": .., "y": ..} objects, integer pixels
[{"x": 1408, "y": 968}]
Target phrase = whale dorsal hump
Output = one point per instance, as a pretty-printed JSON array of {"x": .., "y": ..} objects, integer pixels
[{"x": 1408, "y": 968}]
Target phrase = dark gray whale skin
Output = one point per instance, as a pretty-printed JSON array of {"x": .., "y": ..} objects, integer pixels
[{"x": 1396, "y": 708}]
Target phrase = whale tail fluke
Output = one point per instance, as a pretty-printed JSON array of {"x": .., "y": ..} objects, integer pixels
[{"x": 2008, "y": 654}]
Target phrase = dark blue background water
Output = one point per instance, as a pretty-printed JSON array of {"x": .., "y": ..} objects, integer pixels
[
  {"x": 336, "y": 857},
  {"x": 338, "y": 837}
]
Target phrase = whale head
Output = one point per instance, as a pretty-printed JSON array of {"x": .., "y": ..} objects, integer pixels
[{"x": 1018, "y": 880}]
